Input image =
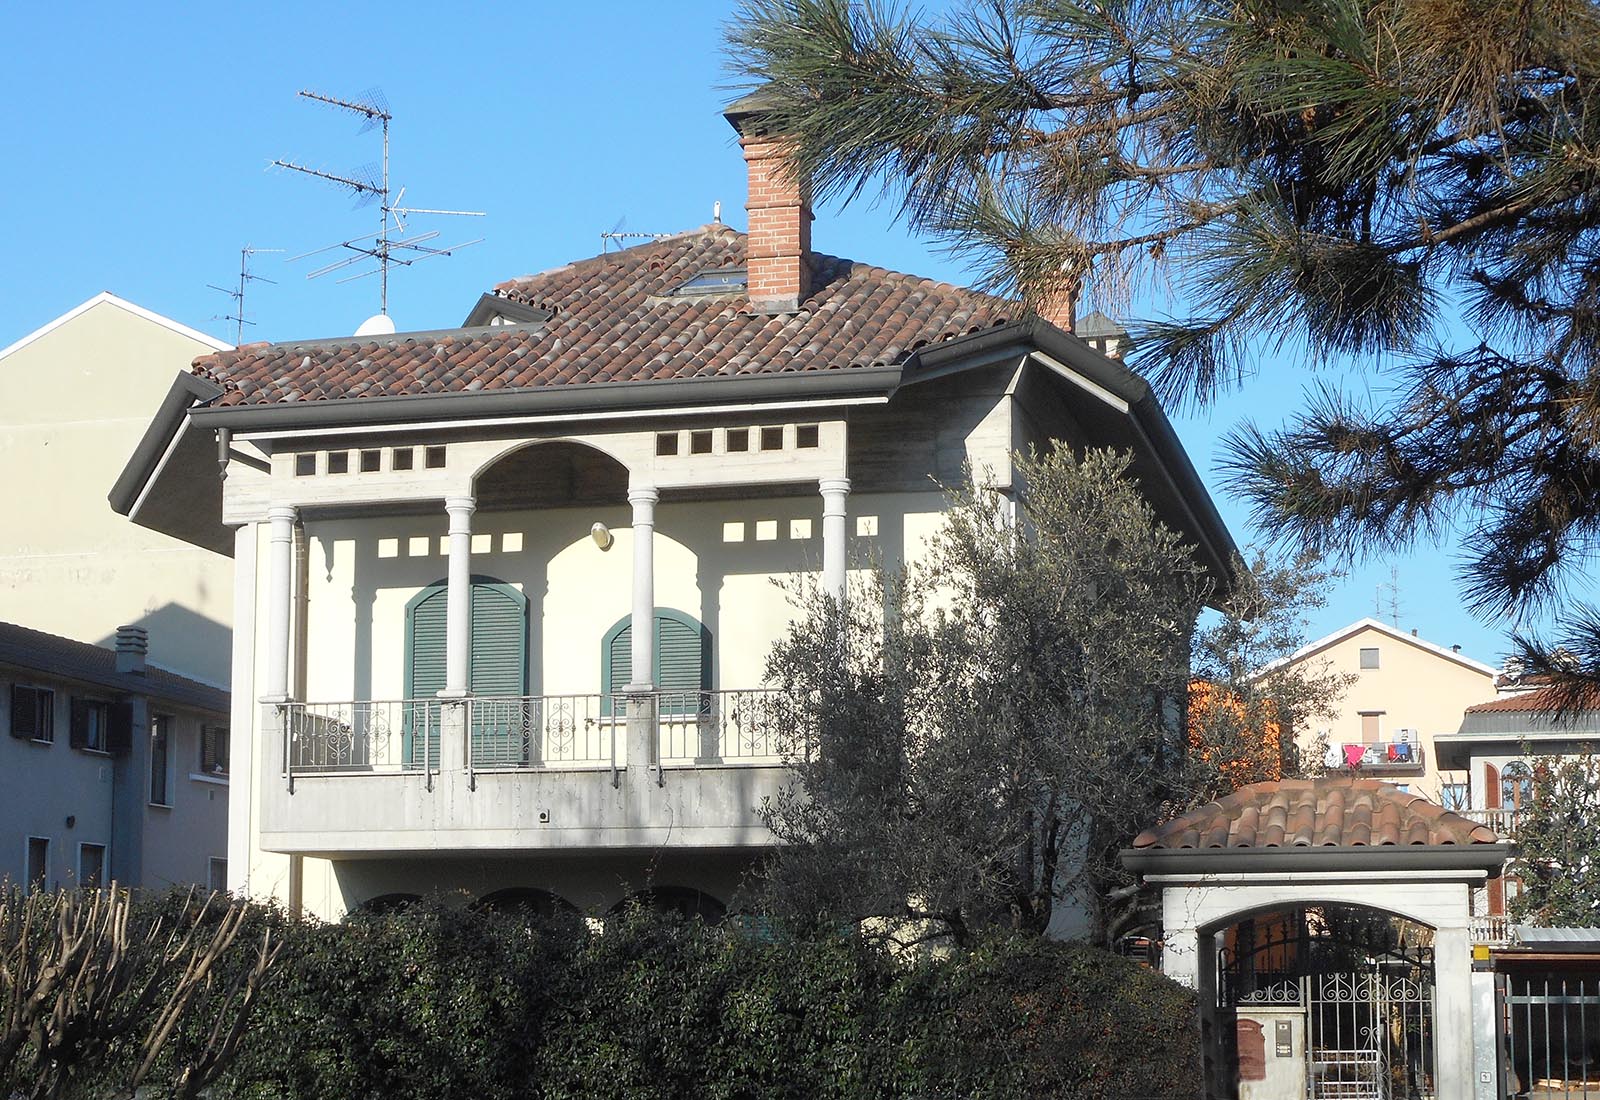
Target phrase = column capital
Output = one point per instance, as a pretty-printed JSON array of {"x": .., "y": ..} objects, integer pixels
[
  {"x": 833, "y": 485},
  {"x": 461, "y": 504},
  {"x": 643, "y": 494},
  {"x": 283, "y": 513}
]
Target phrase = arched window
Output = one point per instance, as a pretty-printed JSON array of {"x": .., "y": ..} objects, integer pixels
[
  {"x": 386, "y": 903},
  {"x": 682, "y": 658},
  {"x": 684, "y": 901},
  {"x": 529, "y": 902},
  {"x": 1516, "y": 786},
  {"x": 497, "y": 657}
]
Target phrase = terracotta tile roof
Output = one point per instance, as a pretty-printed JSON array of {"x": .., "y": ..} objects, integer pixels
[
  {"x": 1542, "y": 699},
  {"x": 53, "y": 655},
  {"x": 614, "y": 318},
  {"x": 1316, "y": 813}
]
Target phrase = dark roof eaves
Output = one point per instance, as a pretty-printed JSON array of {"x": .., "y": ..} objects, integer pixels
[
  {"x": 156, "y": 683},
  {"x": 186, "y": 391},
  {"x": 585, "y": 398},
  {"x": 1142, "y": 406},
  {"x": 1444, "y": 858}
]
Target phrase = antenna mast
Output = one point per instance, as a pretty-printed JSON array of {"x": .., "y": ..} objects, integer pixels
[
  {"x": 370, "y": 186},
  {"x": 237, "y": 293}
]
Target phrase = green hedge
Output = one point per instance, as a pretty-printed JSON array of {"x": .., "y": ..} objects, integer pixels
[{"x": 435, "y": 1001}]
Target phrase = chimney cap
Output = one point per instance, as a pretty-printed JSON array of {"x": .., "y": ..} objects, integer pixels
[{"x": 749, "y": 113}]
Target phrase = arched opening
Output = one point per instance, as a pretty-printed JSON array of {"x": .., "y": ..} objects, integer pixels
[
  {"x": 1324, "y": 1000},
  {"x": 682, "y": 901},
  {"x": 384, "y": 904},
  {"x": 528, "y": 902},
  {"x": 1516, "y": 786},
  {"x": 550, "y": 475}
]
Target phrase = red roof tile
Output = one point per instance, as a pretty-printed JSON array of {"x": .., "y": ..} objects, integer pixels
[
  {"x": 1541, "y": 699},
  {"x": 1335, "y": 811},
  {"x": 613, "y": 318}
]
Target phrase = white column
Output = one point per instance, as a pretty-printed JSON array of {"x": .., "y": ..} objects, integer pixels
[
  {"x": 1452, "y": 1005},
  {"x": 280, "y": 566},
  {"x": 644, "y": 500},
  {"x": 458, "y": 599},
  {"x": 244, "y": 712},
  {"x": 834, "y": 535}
]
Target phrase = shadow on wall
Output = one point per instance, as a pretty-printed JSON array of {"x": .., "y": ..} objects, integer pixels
[{"x": 185, "y": 642}]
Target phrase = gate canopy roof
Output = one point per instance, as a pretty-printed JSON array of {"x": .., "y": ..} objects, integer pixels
[
  {"x": 1336, "y": 824},
  {"x": 1332, "y": 812}
]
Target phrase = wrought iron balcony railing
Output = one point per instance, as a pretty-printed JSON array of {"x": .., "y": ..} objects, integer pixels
[
  {"x": 362, "y": 736},
  {"x": 745, "y": 727}
]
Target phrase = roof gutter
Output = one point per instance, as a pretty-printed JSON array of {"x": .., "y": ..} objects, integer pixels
[
  {"x": 587, "y": 398},
  {"x": 1379, "y": 857},
  {"x": 186, "y": 391}
]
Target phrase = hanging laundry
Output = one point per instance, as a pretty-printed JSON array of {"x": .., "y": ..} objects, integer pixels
[{"x": 1353, "y": 755}]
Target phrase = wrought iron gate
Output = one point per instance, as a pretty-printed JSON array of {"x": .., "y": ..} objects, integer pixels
[{"x": 1365, "y": 999}]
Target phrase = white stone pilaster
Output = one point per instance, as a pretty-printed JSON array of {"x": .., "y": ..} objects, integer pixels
[{"x": 243, "y": 710}]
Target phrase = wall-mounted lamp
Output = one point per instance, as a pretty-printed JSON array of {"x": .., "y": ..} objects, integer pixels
[
  {"x": 601, "y": 535},
  {"x": 72, "y": 819}
]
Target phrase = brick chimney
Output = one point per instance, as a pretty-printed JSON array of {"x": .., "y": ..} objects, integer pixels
[
  {"x": 133, "y": 644},
  {"x": 779, "y": 262},
  {"x": 1060, "y": 306}
]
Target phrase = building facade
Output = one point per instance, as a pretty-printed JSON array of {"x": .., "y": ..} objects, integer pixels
[
  {"x": 110, "y": 770},
  {"x": 1401, "y": 693},
  {"x": 75, "y": 398},
  {"x": 504, "y": 593}
]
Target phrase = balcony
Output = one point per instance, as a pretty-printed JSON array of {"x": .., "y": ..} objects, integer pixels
[
  {"x": 1378, "y": 758},
  {"x": 1502, "y": 822},
  {"x": 526, "y": 773},
  {"x": 1491, "y": 931}
]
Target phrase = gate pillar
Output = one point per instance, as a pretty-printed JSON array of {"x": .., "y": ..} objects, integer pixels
[{"x": 1452, "y": 1014}]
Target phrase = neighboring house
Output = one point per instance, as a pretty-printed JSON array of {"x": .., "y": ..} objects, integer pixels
[
  {"x": 112, "y": 770},
  {"x": 1402, "y": 693},
  {"x": 1494, "y": 750},
  {"x": 75, "y": 397},
  {"x": 505, "y": 592}
]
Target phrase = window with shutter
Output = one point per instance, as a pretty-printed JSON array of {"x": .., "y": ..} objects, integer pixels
[
  {"x": 213, "y": 750},
  {"x": 682, "y": 659},
  {"x": 33, "y": 713},
  {"x": 90, "y": 722},
  {"x": 497, "y": 663}
]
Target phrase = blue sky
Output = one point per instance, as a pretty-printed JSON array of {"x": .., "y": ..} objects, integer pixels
[{"x": 138, "y": 139}]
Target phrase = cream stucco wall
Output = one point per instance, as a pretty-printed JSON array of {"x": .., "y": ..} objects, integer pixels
[
  {"x": 73, "y": 405},
  {"x": 1414, "y": 687}
]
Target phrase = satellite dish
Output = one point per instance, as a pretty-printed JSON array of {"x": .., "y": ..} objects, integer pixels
[{"x": 379, "y": 324}]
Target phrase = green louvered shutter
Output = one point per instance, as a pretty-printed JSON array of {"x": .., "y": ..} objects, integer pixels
[
  {"x": 618, "y": 659},
  {"x": 499, "y": 668},
  {"x": 682, "y": 658},
  {"x": 425, "y": 657},
  {"x": 498, "y": 662}
]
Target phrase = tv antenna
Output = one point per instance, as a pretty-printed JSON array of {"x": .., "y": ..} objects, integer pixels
[
  {"x": 370, "y": 184},
  {"x": 615, "y": 233},
  {"x": 1392, "y": 591},
  {"x": 237, "y": 293}
]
